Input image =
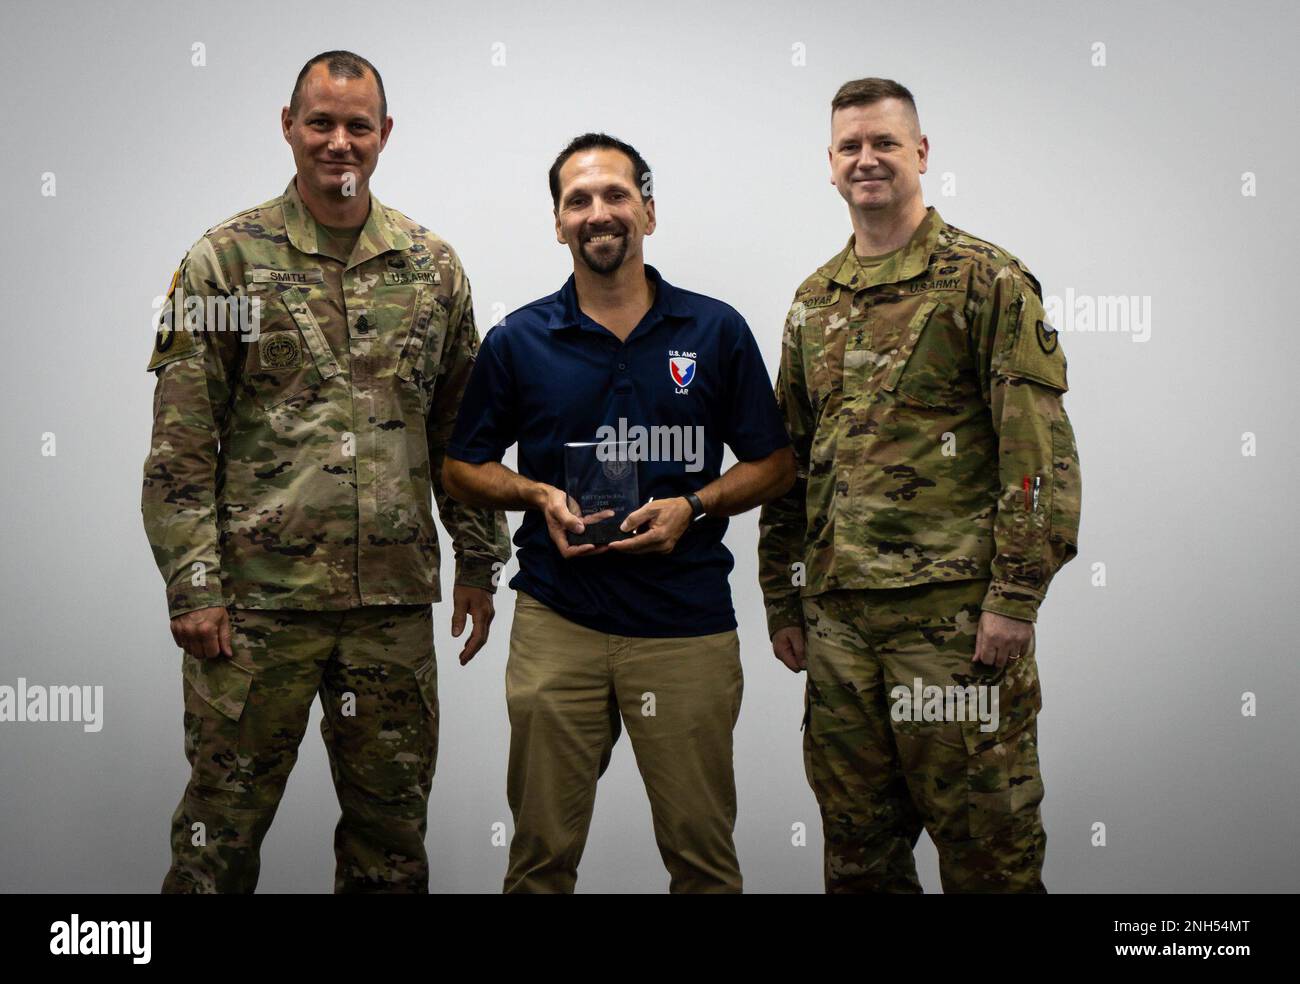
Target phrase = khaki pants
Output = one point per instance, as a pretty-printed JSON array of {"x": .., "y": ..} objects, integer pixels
[
  {"x": 881, "y": 771},
  {"x": 566, "y": 687},
  {"x": 245, "y": 717}
]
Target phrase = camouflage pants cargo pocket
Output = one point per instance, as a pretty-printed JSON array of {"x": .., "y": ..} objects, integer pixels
[
  {"x": 1004, "y": 784},
  {"x": 216, "y": 691},
  {"x": 1006, "y": 846}
]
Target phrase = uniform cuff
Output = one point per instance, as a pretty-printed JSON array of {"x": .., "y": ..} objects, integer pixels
[
  {"x": 1012, "y": 600},
  {"x": 784, "y": 613},
  {"x": 478, "y": 572},
  {"x": 187, "y": 599}
]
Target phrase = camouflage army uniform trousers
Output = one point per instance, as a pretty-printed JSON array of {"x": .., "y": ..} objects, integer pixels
[
  {"x": 245, "y": 717},
  {"x": 881, "y": 771}
]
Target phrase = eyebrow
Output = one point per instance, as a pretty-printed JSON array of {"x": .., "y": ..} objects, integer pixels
[
  {"x": 324, "y": 114},
  {"x": 886, "y": 135},
  {"x": 611, "y": 186}
]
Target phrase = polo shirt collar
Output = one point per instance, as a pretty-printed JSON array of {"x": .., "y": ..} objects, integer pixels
[
  {"x": 668, "y": 302},
  {"x": 911, "y": 261},
  {"x": 378, "y": 236}
]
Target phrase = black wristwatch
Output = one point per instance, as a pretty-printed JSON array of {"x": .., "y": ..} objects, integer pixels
[{"x": 697, "y": 507}]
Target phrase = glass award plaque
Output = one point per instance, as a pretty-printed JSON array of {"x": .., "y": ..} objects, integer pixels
[{"x": 600, "y": 481}]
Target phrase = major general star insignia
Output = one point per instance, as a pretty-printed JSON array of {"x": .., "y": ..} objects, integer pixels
[{"x": 1048, "y": 337}]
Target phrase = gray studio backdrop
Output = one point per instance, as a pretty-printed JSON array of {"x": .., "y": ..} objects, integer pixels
[{"x": 1157, "y": 170}]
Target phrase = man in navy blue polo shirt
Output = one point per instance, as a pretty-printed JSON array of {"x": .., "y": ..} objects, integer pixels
[{"x": 642, "y": 627}]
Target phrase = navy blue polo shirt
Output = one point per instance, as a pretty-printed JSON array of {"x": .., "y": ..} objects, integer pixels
[{"x": 548, "y": 375}]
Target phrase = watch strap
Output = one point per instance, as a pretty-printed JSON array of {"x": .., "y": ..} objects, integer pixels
[{"x": 697, "y": 507}]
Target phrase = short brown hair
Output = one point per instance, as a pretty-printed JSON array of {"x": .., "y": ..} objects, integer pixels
[
  {"x": 864, "y": 92},
  {"x": 341, "y": 65}
]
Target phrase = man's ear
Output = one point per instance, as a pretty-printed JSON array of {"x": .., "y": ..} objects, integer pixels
[
  {"x": 650, "y": 213},
  {"x": 924, "y": 153},
  {"x": 286, "y": 121},
  {"x": 559, "y": 232},
  {"x": 830, "y": 162},
  {"x": 384, "y": 131}
]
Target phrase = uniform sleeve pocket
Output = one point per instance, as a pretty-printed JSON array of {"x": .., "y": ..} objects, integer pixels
[
  {"x": 1036, "y": 352},
  {"x": 1066, "y": 486}
]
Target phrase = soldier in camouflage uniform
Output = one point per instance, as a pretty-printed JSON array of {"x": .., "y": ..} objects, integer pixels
[
  {"x": 287, "y": 500},
  {"x": 938, "y": 494}
]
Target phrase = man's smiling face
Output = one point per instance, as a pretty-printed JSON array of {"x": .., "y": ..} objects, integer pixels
[
  {"x": 601, "y": 216},
  {"x": 877, "y": 155},
  {"x": 336, "y": 130}
]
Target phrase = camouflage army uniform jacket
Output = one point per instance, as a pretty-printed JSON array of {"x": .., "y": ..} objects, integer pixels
[
  {"x": 291, "y": 466},
  {"x": 924, "y": 403}
]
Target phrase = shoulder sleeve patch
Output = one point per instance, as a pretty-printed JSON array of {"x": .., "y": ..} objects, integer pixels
[
  {"x": 1034, "y": 351},
  {"x": 171, "y": 340}
]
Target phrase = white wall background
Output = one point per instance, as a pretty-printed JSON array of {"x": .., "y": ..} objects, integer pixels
[{"x": 1124, "y": 179}]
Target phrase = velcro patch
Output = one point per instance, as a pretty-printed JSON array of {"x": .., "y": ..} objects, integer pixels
[
  {"x": 412, "y": 277},
  {"x": 821, "y": 300},
  {"x": 288, "y": 276},
  {"x": 1036, "y": 351},
  {"x": 170, "y": 343},
  {"x": 938, "y": 283}
]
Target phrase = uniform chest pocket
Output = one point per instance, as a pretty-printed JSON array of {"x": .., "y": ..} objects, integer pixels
[
  {"x": 385, "y": 313},
  {"x": 879, "y": 349},
  {"x": 290, "y": 355},
  {"x": 422, "y": 340},
  {"x": 926, "y": 368}
]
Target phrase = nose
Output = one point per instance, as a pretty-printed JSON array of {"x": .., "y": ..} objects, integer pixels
[
  {"x": 339, "y": 142},
  {"x": 866, "y": 158}
]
